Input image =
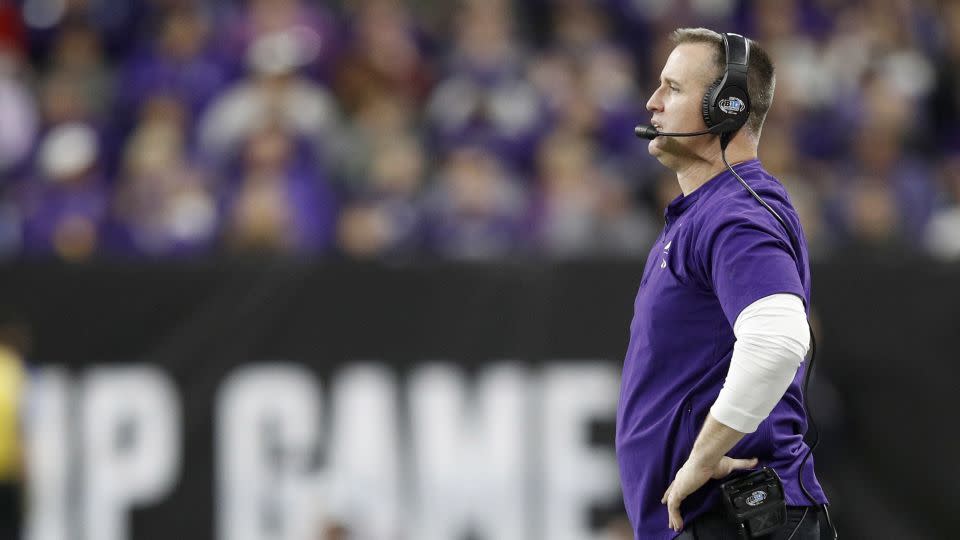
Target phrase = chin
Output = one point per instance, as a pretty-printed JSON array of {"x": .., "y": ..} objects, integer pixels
[
  {"x": 666, "y": 158},
  {"x": 653, "y": 148},
  {"x": 656, "y": 150}
]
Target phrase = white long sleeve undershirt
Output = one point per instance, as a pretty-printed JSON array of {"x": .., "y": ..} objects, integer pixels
[{"x": 772, "y": 339}]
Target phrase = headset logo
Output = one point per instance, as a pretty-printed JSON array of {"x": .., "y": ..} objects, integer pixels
[
  {"x": 732, "y": 105},
  {"x": 756, "y": 498}
]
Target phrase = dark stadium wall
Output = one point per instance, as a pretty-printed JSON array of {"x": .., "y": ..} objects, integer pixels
[{"x": 259, "y": 400}]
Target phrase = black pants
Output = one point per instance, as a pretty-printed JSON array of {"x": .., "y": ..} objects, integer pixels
[{"x": 715, "y": 526}]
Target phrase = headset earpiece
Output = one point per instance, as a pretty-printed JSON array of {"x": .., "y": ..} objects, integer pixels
[
  {"x": 708, "y": 102},
  {"x": 727, "y": 98}
]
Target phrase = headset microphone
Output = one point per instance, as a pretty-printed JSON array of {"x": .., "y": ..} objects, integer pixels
[{"x": 650, "y": 133}]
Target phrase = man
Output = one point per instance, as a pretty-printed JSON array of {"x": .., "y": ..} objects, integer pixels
[{"x": 710, "y": 381}]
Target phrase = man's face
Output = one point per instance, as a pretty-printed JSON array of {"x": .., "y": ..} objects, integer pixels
[{"x": 677, "y": 101}]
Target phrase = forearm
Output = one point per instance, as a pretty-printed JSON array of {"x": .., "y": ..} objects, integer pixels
[{"x": 713, "y": 442}]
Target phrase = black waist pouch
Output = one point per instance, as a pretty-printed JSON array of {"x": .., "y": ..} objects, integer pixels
[{"x": 755, "y": 502}]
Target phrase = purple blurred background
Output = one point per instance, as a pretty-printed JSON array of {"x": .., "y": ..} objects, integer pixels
[{"x": 469, "y": 130}]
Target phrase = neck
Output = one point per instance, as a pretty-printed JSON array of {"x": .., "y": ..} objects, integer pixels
[{"x": 698, "y": 172}]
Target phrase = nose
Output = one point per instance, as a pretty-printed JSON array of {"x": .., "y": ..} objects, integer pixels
[{"x": 655, "y": 104}]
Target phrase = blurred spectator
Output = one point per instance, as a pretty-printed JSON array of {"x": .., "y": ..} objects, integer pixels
[
  {"x": 609, "y": 83},
  {"x": 385, "y": 218},
  {"x": 579, "y": 28},
  {"x": 301, "y": 29},
  {"x": 77, "y": 57},
  {"x": 623, "y": 227},
  {"x": 555, "y": 77},
  {"x": 282, "y": 205},
  {"x": 475, "y": 210},
  {"x": 593, "y": 94},
  {"x": 584, "y": 210},
  {"x": 18, "y": 111},
  {"x": 61, "y": 101},
  {"x": 275, "y": 94},
  {"x": 873, "y": 214},
  {"x": 379, "y": 121},
  {"x": 72, "y": 93},
  {"x": 887, "y": 193},
  {"x": 180, "y": 62},
  {"x": 383, "y": 58},
  {"x": 383, "y": 165},
  {"x": 485, "y": 99},
  {"x": 65, "y": 206},
  {"x": 164, "y": 204}
]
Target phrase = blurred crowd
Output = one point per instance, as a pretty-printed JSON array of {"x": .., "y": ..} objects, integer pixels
[{"x": 462, "y": 129}]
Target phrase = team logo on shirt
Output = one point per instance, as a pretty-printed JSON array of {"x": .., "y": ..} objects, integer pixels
[{"x": 666, "y": 251}]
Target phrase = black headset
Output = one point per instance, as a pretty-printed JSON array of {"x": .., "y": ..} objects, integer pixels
[{"x": 726, "y": 104}]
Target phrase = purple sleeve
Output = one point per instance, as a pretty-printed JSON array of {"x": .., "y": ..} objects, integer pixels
[{"x": 747, "y": 261}]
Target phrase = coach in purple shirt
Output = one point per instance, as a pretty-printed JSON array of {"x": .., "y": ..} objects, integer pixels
[{"x": 711, "y": 380}]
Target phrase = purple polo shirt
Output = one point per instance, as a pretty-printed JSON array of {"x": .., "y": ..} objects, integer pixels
[{"x": 719, "y": 252}]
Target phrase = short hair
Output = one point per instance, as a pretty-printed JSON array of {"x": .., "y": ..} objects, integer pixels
[{"x": 761, "y": 76}]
